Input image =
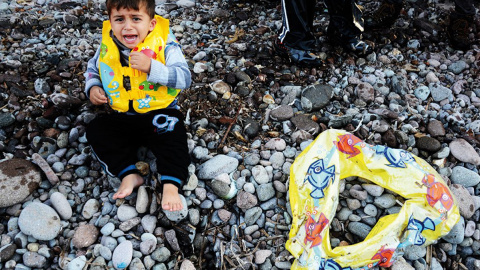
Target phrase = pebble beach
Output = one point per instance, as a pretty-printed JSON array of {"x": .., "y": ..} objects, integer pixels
[{"x": 248, "y": 114}]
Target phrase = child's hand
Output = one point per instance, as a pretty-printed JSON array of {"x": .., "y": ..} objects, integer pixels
[
  {"x": 140, "y": 61},
  {"x": 97, "y": 96}
]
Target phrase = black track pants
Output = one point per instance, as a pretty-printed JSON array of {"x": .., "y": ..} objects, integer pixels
[
  {"x": 298, "y": 15},
  {"x": 297, "y": 28},
  {"x": 115, "y": 139}
]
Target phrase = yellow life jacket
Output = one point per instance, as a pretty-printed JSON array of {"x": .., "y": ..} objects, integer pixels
[{"x": 146, "y": 96}]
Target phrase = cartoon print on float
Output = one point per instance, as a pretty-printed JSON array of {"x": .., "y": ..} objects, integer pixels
[
  {"x": 148, "y": 86},
  {"x": 144, "y": 102},
  {"x": 437, "y": 192},
  {"x": 103, "y": 50},
  {"x": 147, "y": 51},
  {"x": 413, "y": 235},
  {"x": 397, "y": 158},
  {"x": 346, "y": 145},
  {"x": 109, "y": 85},
  {"x": 314, "y": 229},
  {"x": 384, "y": 256},
  {"x": 331, "y": 265},
  {"x": 172, "y": 91},
  {"x": 319, "y": 177}
]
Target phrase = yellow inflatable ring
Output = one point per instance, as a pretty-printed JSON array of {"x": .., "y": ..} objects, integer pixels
[{"x": 429, "y": 211}]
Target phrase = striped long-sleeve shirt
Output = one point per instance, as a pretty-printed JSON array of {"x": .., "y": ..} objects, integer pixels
[{"x": 174, "y": 73}]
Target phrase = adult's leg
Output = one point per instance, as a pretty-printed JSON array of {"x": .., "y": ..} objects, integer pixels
[
  {"x": 465, "y": 7},
  {"x": 461, "y": 21},
  {"x": 297, "y": 24},
  {"x": 346, "y": 25},
  {"x": 385, "y": 15},
  {"x": 296, "y": 39}
]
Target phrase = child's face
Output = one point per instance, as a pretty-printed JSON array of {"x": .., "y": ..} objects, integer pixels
[{"x": 130, "y": 26}]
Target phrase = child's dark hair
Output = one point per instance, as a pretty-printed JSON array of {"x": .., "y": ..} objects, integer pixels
[{"x": 132, "y": 4}]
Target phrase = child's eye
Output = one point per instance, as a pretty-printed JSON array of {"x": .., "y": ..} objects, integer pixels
[{"x": 118, "y": 19}]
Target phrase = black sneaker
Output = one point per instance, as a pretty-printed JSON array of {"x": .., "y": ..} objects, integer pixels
[
  {"x": 296, "y": 56},
  {"x": 352, "y": 43},
  {"x": 458, "y": 30},
  {"x": 384, "y": 16}
]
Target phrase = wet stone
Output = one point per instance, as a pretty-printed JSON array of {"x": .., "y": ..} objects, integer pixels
[{"x": 304, "y": 122}]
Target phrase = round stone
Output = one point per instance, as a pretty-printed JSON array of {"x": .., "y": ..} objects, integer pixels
[
  {"x": 60, "y": 203},
  {"x": 85, "y": 235},
  {"x": 122, "y": 255},
  {"x": 90, "y": 208},
  {"x": 40, "y": 221}
]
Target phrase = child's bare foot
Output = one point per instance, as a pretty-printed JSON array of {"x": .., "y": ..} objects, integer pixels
[
  {"x": 170, "y": 199},
  {"x": 129, "y": 182}
]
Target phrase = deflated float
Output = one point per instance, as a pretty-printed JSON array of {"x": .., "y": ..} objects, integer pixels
[{"x": 429, "y": 211}]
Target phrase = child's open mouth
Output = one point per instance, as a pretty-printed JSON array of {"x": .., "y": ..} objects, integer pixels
[{"x": 130, "y": 39}]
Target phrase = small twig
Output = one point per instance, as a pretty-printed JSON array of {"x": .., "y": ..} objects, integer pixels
[
  {"x": 230, "y": 261},
  {"x": 359, "y": 125},
  {"x": 222, "y": 253},
  {"x": 204, "y": 244},
  {"x": 461, "y": 265},
  {"x": 429, "y": 257},
  {"x": 134, "y": 236},
  {"x": 401, "y": 204},
  {"x": 229, "y": 127},
  {"x": 238, "y": 260}
]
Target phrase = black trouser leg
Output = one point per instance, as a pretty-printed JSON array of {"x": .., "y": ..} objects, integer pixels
[
  {"x": 297, "y": 28},
  {"x": 465, "y": 7},
  {"x": 112, "y": 139},
  {"x": 168, "y": 142},
  {"x": 345, "y": 18}
]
